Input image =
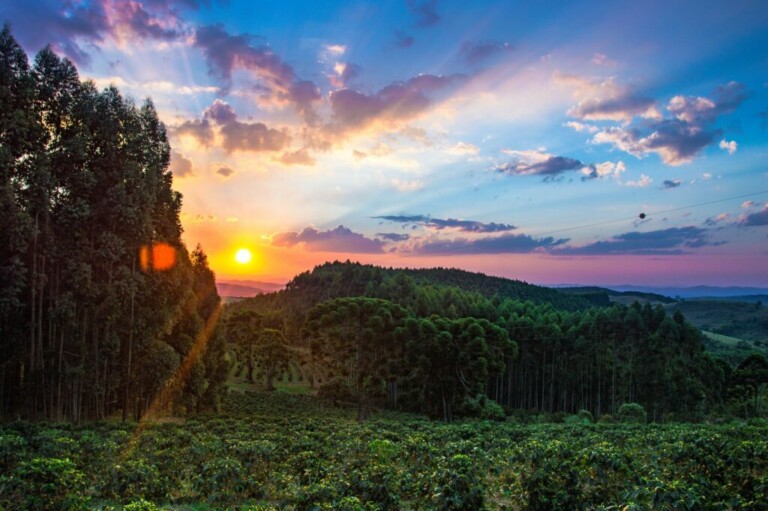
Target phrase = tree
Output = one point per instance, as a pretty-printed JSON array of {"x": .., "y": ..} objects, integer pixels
[
  {"x": 272, "y": 355},
  {"x": 752, "y": 374},
  {"x": 356, "y": 336}
]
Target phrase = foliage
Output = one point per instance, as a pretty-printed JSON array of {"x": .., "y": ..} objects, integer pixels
[
  {"x": 279, "y": 451},
  {"x": 88, "y": 325},
  {"x": 632, "y": 413}
]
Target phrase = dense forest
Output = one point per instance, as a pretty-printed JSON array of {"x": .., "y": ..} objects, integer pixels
[
  {"x": 102, "y": 308},
  {"x": 411, "y": 340}
]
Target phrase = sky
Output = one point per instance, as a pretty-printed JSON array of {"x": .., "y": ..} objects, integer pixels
[{"x": 599, "y": 143}]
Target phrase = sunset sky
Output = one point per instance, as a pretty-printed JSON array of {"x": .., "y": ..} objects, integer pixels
[{"x": 521, "y": 139}]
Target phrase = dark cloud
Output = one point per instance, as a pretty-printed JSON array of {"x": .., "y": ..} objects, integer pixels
[
  {"x": 504, "y": 244},
  {"x": 74, "y": 29},
  {"x": 449, "y": 223},
  {"x": 226, "y": 53},
  {"x": 477, "y": 53},
  {"x": 236, "y": 135},
  {"x": 675, "y": 141},
  {"x": 340, "y": 239},
  {"x": 756, "y": 219},
  {"x": 200, "y": 129},
  {"x": 672, "y": 241},
  {"x": 392, "y": 236},
  {"x": 225, "y": 171},
  {"x": 671, "y": 183},
  {"x": 180, "y": 166},
  {"x": 680, "y": 138},
  {"x": 550, "y": 168},
  {"x": 395, "y": 102},
  {"x": 403, "y": 40},
  {"x": 424, "y": 12}
]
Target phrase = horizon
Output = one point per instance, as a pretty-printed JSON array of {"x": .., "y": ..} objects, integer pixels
[{"x": 594, "y": 143}]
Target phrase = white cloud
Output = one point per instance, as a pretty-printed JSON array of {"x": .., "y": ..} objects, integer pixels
[
  {"x": 729, "y": 146},
  {"x": 581, "y": 127},
  {"x": 464, "y": 148},
  {"x": 640, "y": 183}
]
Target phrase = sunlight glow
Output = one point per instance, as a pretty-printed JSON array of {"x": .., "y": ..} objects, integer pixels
[{"x": 243, "y": 256}]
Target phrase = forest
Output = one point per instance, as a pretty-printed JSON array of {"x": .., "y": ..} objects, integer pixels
[
  {"x": 101, "y": 303},
  {"x": 412, "y": 340}
]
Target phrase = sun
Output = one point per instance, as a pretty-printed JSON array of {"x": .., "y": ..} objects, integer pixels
[{"x": 243, "y": 256}]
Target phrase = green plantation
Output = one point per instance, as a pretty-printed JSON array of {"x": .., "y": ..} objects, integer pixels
[{"x": 281, "y": 451}]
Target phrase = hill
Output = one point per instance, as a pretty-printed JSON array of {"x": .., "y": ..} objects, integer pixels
[
  {"x": 742, "y": 320},
  {"x": 622, "y": 297}
]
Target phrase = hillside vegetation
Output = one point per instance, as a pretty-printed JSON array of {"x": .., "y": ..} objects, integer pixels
[{"x": 411, "y": 340}]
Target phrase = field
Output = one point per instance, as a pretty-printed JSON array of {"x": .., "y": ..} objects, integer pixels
[{"x": 286, "y": 451}]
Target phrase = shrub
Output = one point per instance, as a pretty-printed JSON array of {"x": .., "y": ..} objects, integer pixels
[
  {"x": 45, "y": 484},
  {"x": 586, "y": 416},
  {"x": 632, "y": 413}
]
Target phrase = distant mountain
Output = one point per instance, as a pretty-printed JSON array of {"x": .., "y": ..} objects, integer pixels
[
  {"x": 246, "y": 288},
  {"x": 695, "y": 291}
]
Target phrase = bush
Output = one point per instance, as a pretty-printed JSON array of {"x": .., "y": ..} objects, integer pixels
[
  {"x": 586, "y": 416},
  {"x": 606, "y": 418},
  {"x": 136, "y": 478},
  {"x": 45, "y": 484},
  {"x": 459, "y": 485},
  {"x": 632, "y": 413}
]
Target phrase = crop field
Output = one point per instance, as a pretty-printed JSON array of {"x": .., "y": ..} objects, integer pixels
[{"x": 284, "y": 451}]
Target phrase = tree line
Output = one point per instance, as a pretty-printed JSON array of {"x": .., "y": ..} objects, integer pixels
[
  {"x": 393, "y": 338},
  {"x": 89, "y": 324}
]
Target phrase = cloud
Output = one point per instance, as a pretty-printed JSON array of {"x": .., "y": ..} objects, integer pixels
[
  {"x": 603, "y": 170},
  {"x": 747, "y": 204},
  {"x": 75, "y": 28},
  {"x": 671, "y": 183},
  {"x": 225, "y": 171},
  {"x": 424, "y": 12},
  {"x": 581, "y": 127},
  {"x": 680, "y": 138},
  {"x": 672, "y": 241},
  {"x": 393, "y": 104},
  {"x": 757, "y": 219},
  {"x": 199, "y": 129},
  {"x": 299, "y": 157},
  {"x": 464, "y": 148},
  {"x": 345, "y": 72},
  {"x": 676, "y": 142},
  {"x": 180, "y": 166},
  {"x": 503, "y": 244},
  {"x": 714, "y": 220},
  {"x": 226, "y": 53},
  {"x": 232, "y": 219},
  {"x": 393, "y": 236},
  {"x": 235, "y": 135},
  {"x": 439, "y": 224},
  {"x": 538, "y": 163},
  {"x": 729, "y": 146},
  {"x": 477, "y": 53},
  {"x": 601, "y": 59},
  {"x": 640, "y": 183},
  {"x": 606, "y": 100},
  {"x": 403, "y": 40},
  {"x": 340, "y": 239}
]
